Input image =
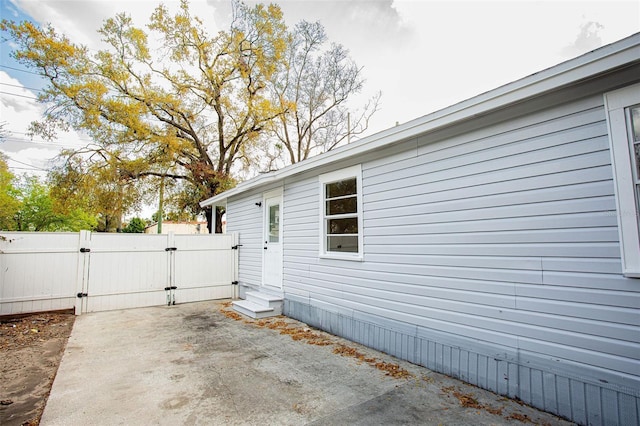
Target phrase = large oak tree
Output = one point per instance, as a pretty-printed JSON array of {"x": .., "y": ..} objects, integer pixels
[
  {"x": 189, "y": 110},
  {"x": 186, "y": 112}
]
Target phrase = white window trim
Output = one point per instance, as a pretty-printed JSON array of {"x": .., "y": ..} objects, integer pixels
[
  {"x": 627, "y": 207},
  {"x": 338, "y": 175}
]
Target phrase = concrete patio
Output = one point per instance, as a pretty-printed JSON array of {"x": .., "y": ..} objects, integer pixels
[{"x": 197, "y": 364}]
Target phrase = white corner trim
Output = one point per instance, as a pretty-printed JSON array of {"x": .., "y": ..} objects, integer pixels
[{"x": 627, "y": 210}]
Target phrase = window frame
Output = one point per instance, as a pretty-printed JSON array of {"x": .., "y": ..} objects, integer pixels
[
  {"x": 332, "y": 177},
  {"x": 617, "y": 106}
]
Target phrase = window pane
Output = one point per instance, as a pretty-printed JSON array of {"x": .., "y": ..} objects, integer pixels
[
  {"x": 635, "y": 123},
  {"x": 274, "y": 223},
  {"x": 342, "y": 226},
  {"x": 342, "y": 206},
  {"x": 346, "y": 244},
  {"x": 341, "y": 188}
]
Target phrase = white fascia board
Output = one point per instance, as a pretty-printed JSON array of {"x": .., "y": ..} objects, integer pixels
[{"x": 590, "y": 64}]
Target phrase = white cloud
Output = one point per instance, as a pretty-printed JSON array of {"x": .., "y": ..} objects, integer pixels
[
  {"x": 18, "y": 108},
  {"x": 422, "y": 55},
  {"x": 588, "y": 39},
  {"x": 80, "y": 20}
]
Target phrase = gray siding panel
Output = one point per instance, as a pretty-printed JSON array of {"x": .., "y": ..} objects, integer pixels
[
  {"x": 492, "y": 256},
  {"x": 301, "y": 234}
]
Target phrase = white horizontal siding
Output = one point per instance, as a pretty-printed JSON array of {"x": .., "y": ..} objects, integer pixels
[
  {"x": 301, "y": 226},
  {"x": 245, "y": 218},
  {"x": 506, "y": 234}
]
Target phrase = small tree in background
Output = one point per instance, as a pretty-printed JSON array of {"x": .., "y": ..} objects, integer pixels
[
  {"x": 135, "y": 226},
  {"x": 37, "y": 211},
  {"x": 9, "y": 197}
]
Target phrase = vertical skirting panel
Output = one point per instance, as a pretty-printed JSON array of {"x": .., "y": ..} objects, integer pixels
[
  {"x": 502, "y": 375},
  {"x": 578, "y": 402},
  {"x": 537, "y": 397},
  {"x": 628, "y": 409},
  {"x": 546, "y": 389},
  {"x": 563, "y": 392},
  {"x": 594, "y": 412},
  {"x": 514, "y": 382},
  {"x": 549, "y": 391},
  {"x": 609, "y": 400}
]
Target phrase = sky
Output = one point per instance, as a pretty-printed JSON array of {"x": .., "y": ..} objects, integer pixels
[{"x": 422, "y": 55}]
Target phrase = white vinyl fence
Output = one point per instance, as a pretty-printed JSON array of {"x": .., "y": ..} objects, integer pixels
[{"x": 96, "y": 272}]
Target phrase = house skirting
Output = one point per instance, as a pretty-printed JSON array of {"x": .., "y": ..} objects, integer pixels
[{"x": 580, "y": 393}]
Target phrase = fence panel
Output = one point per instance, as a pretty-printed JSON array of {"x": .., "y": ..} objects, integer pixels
[
  {"x": 204, "y": 267},
  {"x": 49, "y": 271},
  {"x": 126, "y": 271},
  {"x": 37, "y": 271}
]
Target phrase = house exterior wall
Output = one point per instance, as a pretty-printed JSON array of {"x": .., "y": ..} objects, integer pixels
[
  {"x": 245, "y": 218},
  {"x": 491, "y": 256},
  {"x": 491, "y": 251}
]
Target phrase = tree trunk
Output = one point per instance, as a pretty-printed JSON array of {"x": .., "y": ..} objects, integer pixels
[
  {"x": 219, "y": 212},
  {"x": 208, "y": 213}
]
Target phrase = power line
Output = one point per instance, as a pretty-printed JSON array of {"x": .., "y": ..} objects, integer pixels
[
  {"x": 22, "y": 87},
  {"x": 28, "y": 169},
  {"x": 21, "y": 70},
  {"x": 16, "y": 140},
  {"x": 28, "y": 134},
  {"x": 27, "y": 164},
  {"x": 21, "y": 96}
]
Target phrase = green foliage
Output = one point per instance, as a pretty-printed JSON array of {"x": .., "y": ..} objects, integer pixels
[
  {"x": 37, "y": 212},
  {"x": 135, "y": 226},
  {"x": 98, "y": 190},
  {"x": 9, "y": 197},
  {"x": 174, "y": 216}
]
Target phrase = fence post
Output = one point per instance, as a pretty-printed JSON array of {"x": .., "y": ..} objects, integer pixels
[
  {"x": 234, "y": 266},
  {"x": 171, "y": 285},
  {"x": 82, "y": 276}
]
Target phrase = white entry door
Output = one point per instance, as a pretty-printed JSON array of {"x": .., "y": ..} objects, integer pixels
[{"x": 272, "y": 259}]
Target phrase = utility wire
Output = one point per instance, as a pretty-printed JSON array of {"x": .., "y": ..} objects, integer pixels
[
  {"x": 22, "y": 87},
  {"x": 16, "y": 140},
  {"x": 27, "y": 134},
  {"x": 27, "y": 164},
  {"x": 21, "y": 70},
  {"x": 27, "y": 168},
  {"x": 21, "y": 96}
]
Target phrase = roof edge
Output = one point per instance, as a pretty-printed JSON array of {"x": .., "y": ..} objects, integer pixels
[{"x": 611, "y": 56}]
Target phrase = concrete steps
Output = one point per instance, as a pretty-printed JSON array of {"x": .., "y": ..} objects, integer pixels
[{"x": 259, "y": 305}]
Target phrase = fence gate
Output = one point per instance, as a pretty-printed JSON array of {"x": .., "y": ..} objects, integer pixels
[{"x": 120, "y": 271}]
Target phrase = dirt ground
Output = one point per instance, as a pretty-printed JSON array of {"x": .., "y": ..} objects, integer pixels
[{"x": 31, "y": 348}]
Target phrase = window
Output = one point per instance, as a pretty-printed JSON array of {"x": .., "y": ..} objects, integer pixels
[
  {"x": 341, "y": 213},
  {"x": 623, "y": 119},
  {"x": 274, "y": 223}
]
